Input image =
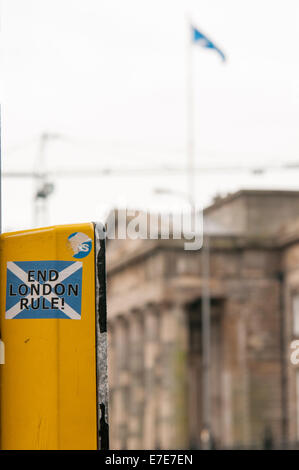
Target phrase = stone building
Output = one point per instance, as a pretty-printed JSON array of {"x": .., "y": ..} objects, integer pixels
[{"x": 154, "y": 329}]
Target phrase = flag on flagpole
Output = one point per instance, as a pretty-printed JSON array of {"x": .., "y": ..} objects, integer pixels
[{"x": 202, "y": 40}]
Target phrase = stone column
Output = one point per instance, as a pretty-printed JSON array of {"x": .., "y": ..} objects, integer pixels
[
  {"x": 151, "y": 379},
  {"x": 263, "y": 350},
  {"x": 121, "y": 383},
  {"x": 235, "y": 387},
  {"x": 136, "y": 367},
  {"x": 173, "y": 413}
]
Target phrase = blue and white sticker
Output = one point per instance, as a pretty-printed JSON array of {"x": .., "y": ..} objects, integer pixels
[
  {"x": 81, "y": 244},
  {"x": 43, "y": 289}
]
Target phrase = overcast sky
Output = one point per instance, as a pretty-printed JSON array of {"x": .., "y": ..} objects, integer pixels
[{"x": 109, "y": 76}]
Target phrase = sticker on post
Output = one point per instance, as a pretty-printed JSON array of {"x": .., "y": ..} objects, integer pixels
[
  {"x": 81, "y": 244},
  {"x": 43, "y": 289}
]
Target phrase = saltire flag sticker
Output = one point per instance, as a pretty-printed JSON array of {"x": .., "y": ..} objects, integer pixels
[{"x": 43, "y": 289}]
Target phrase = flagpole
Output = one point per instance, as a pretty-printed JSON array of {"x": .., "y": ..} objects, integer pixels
[
  {"x": 190, "y": 121},
  {"x": 205, "y": 255}
]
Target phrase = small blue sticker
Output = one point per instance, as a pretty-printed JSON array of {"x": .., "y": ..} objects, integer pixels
[{"x": 81, "y": 244}]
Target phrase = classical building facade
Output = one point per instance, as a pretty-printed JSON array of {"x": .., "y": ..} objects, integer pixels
[{"x": 154, "y": 329}]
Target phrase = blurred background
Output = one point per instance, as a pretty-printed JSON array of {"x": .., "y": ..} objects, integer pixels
[{"x": 95, "y": 107}]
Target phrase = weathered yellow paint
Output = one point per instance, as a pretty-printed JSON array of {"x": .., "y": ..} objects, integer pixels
[{"x": 48, "y": 381}]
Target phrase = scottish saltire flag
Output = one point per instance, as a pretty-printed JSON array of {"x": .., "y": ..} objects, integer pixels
[
  {"x": 202, "y": 40},
  {"x": 43, "y": 289}
]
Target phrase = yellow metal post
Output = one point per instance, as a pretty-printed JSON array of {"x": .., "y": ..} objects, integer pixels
[{"x": 49, "y": 327}]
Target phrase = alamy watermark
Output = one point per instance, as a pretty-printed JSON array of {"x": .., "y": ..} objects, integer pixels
[{"x": 134, "y": 224}]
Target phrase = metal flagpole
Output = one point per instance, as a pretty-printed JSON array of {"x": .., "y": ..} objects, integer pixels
[
  {"x": 190, "y": 122},
  {"x": 205, "y": 297},
  {"x": 206, "y": 343}
]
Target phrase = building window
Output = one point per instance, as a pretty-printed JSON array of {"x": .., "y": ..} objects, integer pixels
[{"x": 296, "y": 315}]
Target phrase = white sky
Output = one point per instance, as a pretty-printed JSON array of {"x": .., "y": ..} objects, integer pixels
[{"x": 110, "y": 77}]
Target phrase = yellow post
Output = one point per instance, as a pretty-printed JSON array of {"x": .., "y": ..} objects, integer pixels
[{"x": 50, "y": 329}]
